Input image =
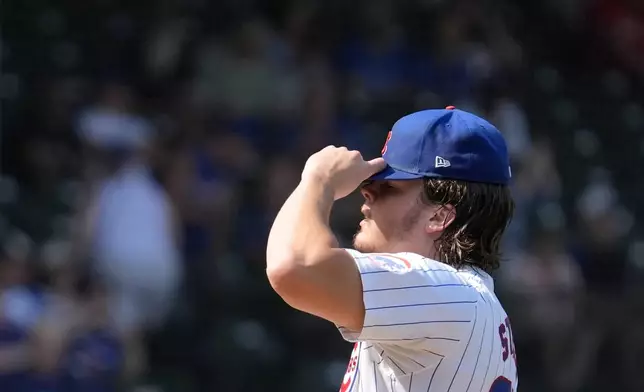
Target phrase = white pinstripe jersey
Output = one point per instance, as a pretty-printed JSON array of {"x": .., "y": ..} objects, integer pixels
[{"x": 428, "y": 328}]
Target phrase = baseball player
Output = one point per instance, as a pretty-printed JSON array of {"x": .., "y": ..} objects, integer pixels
[{"x": 414, "y": 295}]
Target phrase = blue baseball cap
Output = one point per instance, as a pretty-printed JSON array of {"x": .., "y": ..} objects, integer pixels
[{"x": 445, "y": 143}]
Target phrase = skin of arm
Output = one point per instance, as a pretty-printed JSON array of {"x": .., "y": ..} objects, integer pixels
[{"x": 304, "y": 264}]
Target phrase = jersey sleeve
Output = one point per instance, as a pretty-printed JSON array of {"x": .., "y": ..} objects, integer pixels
[{"x": 408, "y": 297}]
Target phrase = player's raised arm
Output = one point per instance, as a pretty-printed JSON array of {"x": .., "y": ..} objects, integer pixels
[{"x": 304, "y": 264}]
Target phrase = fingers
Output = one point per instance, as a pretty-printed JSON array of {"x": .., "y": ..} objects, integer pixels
[{"x": 376, "y": 165}]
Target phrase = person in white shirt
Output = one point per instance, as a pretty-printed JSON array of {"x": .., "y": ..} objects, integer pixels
[
  {"x": 414, "y": 295},
  {"x": 128, "y": 227}
]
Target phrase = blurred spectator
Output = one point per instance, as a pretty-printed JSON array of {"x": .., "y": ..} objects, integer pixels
[
  {"x": 550, "y": 286},
  {"x": 536, "y": 191},
  {"x": 279, "y": 177},
  {"x": 238, "y": 74},
  {"x": 40, "y": 207},
  {"x": 78, "y": 347},
  {"x": 19, "y": 312},
  {"x": 377, "y": 61},
  {"x": 112, "y": 124},
  {"x": 202, "y": 182},
  {"x": 129, "y": 225},
  {"x": 620, "y": 23},
  {"x": 509, "y": 117},
  {"x": 602, "y": 255}
]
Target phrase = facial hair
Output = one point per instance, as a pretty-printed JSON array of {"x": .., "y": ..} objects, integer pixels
[{"x": 408, "y": 222}]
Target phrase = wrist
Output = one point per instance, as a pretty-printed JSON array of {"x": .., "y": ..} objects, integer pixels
[{"x": 319, "y": 188}]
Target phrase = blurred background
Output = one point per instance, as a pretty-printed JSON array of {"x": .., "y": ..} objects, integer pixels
[{"x": 147, "y": 145}]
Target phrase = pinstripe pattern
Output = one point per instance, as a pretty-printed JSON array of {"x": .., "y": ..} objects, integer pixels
[{"x": 428, "y": 327}]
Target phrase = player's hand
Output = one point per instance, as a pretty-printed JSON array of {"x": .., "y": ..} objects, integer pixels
[{"x": 340, "y": 169}]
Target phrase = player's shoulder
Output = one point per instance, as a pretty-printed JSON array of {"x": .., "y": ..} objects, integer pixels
[
  {"x": 400, "y": 262},
  {"x": 419, "y": 268}
]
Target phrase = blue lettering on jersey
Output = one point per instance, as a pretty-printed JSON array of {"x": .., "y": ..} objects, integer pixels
[
  {"x": 391, "y": 263},
  {"x": 501, "y": 384}
]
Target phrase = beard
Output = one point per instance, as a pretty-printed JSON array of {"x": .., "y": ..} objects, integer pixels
[
  {"x": 370, "y": 239},
  {"x": 363, "y": 244}
]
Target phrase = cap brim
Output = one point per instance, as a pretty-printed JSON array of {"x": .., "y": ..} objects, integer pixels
[{"x": 389, "y": 173}]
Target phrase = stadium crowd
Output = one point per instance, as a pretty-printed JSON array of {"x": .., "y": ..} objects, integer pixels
[{"x": 146, "y": 147}]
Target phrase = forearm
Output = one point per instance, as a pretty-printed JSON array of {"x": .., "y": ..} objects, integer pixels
[{"x": 301, "y": 229}]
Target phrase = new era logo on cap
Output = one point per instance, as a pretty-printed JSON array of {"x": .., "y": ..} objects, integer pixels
[
  {"x": 441, "y": 162},
  {"x": 445, "y": 143}
]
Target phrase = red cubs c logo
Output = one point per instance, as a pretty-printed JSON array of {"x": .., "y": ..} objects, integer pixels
[{"x": 384, "y": 148}]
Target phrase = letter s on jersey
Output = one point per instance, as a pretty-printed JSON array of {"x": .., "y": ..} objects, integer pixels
[
  {"x": 504, "y": 341},
  {"x": 507, "y": 341}
]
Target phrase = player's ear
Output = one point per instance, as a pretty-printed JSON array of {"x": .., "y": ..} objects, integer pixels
[{"x": 442, "y": 216}]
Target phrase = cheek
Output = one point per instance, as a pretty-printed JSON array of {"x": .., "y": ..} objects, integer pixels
[
  {"x": 385, "y": 221},
  {"x": 400, "y": 218}
]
